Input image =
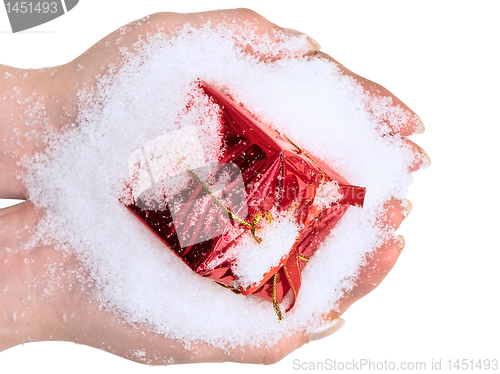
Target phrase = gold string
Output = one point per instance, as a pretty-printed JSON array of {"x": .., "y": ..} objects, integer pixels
[
  {"x": 305, "y": 154},
  {"x": 290, "y": 280},
  {"x": 256, "y": 220},
  {"x": 297, "y": 264},
  {"x": 205, "y": 187},
  {"x": 275, "y": 299},
  {"x": 275, "y": 296},
  {"x": 236, "y": 290}
]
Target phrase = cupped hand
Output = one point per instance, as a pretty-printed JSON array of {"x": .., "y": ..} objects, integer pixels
[{"x": 45, "y": 296}]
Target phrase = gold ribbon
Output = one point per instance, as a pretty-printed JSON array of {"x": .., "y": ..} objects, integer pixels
[
  {"x": 221, "y": 204},
  {"x": 323, "y": 175},
  {"x": 275, "y": 299},
  {"x": 276, "y": 305},
  {"x": 256, "y": 220}
]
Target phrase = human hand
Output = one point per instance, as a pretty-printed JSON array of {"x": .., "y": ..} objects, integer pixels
[{"x": 68, "y": 311}]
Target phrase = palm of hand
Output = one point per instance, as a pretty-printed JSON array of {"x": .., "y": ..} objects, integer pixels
[{"x": 68, "y": 311}]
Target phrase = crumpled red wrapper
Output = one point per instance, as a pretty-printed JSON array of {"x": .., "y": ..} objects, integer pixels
[{"x": 263, "y": 170}]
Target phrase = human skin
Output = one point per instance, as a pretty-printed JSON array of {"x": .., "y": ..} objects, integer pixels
[{"x": 69, "y": 312}]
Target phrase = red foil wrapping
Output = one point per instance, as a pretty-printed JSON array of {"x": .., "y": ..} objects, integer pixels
[{"x": 278, "y": 175}]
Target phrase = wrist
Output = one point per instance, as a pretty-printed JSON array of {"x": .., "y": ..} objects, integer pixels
[
  {"x": 35, "y": 283},
  {"x": 18, "y": 314},
  {"x": 36, "y": 303},
  {"x": 15, "y": 90}
]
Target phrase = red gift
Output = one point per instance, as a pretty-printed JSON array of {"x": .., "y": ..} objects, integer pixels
[{"x": 205, "y": 211}]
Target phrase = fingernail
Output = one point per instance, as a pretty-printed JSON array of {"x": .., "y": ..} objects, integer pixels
[
  {"x": 314, "y": 44},
  {"x": 402, "y": 243},
  {"x": 327, "y": 329},
  {"x": 406, "y": 205},
  {"x": 426, "y": 161},
  {"x": 420, "y": 127}
]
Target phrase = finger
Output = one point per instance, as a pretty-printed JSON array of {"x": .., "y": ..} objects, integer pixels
[
  {"x": 256, "y": 35},
  {"x": 15, "y": 224},
  {"x": 390, "y": 111},
  {"x": 268, "y": 354},
  {"x": 421, "y": 158},
  {"x": 395, "y": 211},
  {"x": 328, "y": 326},
  {"x": 140, "y": 344},
  {"x": 374, "y": 272},
  {"x": 10, "y": 186},
  {"x": 264, "y": 354}
]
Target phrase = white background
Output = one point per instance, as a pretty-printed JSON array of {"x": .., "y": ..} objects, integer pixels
[{"x": 441, "y": 58}]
